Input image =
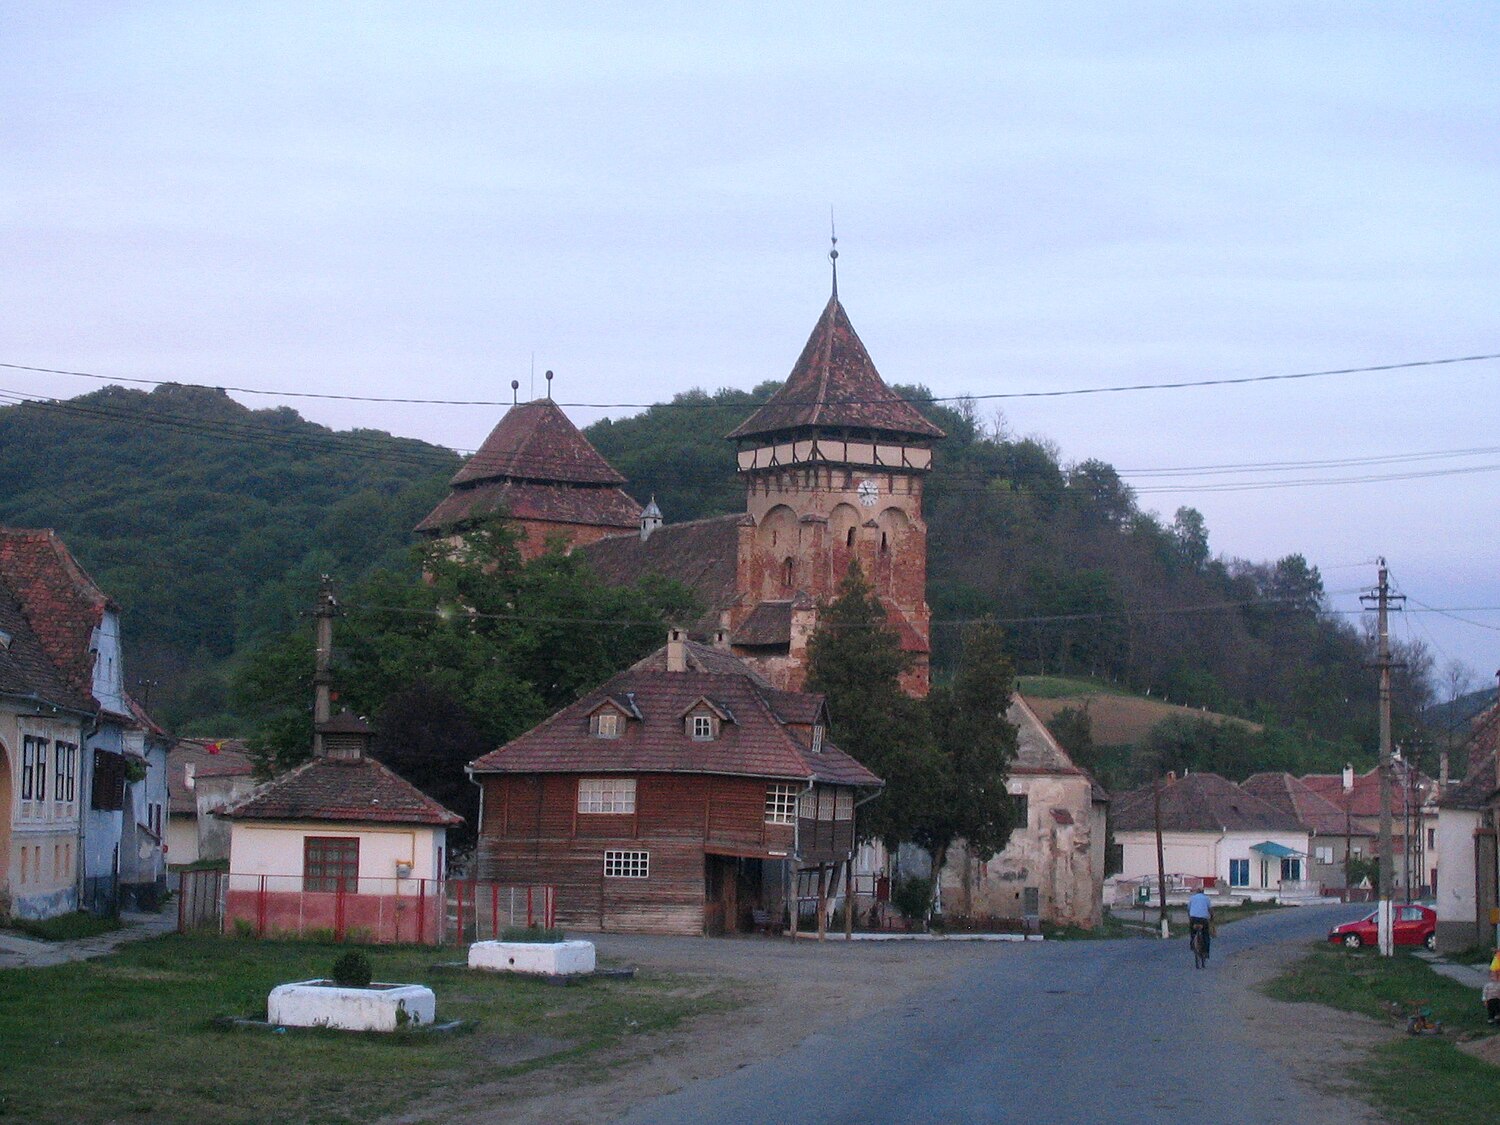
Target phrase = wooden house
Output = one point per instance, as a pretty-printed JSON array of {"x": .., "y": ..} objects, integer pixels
[{"x": 684, "y": 795}]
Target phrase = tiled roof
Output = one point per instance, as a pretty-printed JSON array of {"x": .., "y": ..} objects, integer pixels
[
  {"x": 758, "y": 743},
  {"x": 598, "y": 505},
  {"x": 703, "y": 555},
  {"x": 769, "y": 623},
  {"x": 1201, "y": 802},
  {"x": 25, "y": 668},
  {"x": 343, "y": 789},
  {"x": 1313, "y": 811},
  {"x": 60, "y": 600},
  {"x": 536, "y": 441},
  {"x": 230, "y": 760},
  {"x": 835, "y": 385},
  {"x": 1364, "y": 799}
]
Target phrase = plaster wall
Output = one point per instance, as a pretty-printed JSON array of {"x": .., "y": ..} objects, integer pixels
[
  {"x": 275, "y": 848},
  {"x": 1456, "y": 906},
  {"x": 39, "y": 840},
  {"x": 182, "y": 838}
]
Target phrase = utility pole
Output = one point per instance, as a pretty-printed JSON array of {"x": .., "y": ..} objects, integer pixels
[
  {"x": 1161, "y": 863},
  {"x": 324, "y": 611},
  {"x": 1382, "y": 598}
]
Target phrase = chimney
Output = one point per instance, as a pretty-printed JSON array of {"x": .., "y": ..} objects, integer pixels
[
  {"x": 721, "y": 639},
  {"x": 1348, "y": 778},
  {"x": 676, "y": 650},
  {"x": 650, "y": 519}
]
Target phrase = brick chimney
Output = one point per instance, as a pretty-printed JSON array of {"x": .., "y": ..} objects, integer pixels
[{"x": 676, "y": 650}]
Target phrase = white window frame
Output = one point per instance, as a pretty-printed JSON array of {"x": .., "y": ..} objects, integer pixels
[
  {"x": 817, "y": 738},
  {"x": 627, "y": 864},
  {"x": 781, "y": 803},
  {"x": 607, "y": 796},
  {"x": 701, "y": 727},
  {"x": 605, "y": 724},
  {"x": 1324, "y": 854}
]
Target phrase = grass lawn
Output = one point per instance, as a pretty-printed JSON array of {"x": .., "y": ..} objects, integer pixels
[
  {"x": 65, "y": 927},
  {"x": 1414, "y": 1079},
  {"x": 1065, "y": 687},
  {"x": 131, "y": 1036}
]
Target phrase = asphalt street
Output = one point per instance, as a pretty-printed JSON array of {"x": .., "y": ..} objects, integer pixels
[{"x": 1123, "y": 1031}]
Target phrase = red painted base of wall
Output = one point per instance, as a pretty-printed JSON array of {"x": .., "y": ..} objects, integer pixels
[{"x": 381, "y": 919}]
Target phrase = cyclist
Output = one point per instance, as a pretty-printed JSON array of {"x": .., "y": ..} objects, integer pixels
[{"x": 1200, "y": 917}]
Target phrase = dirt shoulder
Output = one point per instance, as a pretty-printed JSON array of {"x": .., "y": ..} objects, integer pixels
[
  {"x": 823, "y": 984},
  {"x": 1320, "y": 1046}
]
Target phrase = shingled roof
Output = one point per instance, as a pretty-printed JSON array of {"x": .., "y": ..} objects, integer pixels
[
  {"x": 525, "y": 500},
  {"x": 61, "y": 602},
  {"x": 342, "y": 789},
  {"x": 703, "y": 555},
  {"x": 1313, "y": 811},
  {"x": 1201, "y": 802},
  {"x": 766, "y": 738},
  {"x": 835, "y": 385},
  {"x": 536, "y": 441}
]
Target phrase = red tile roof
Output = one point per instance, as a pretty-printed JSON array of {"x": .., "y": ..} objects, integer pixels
[
  {"x": 835, "y": 385},
  {"x": 1201, "y": 802},
  {"x": 1313, "y": 811},
  {"x": 343, "y": 789},
  {"x": 763, "y": 741},
  {"x": 60, "y": 600},
  {"x": 536, "y": 441},
  {"x": 25, "y": 668},
  {"x": 1364, "y": 799},
  {"x": 596, "y": 505}
]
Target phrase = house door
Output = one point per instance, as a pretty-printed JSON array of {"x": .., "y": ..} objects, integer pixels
[{"x": 720, "y": 895}]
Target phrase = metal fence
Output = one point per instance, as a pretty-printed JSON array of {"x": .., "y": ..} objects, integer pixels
[{"x": 380, "y": 910}]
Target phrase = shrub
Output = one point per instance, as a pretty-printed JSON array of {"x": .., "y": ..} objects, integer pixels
[
  {"x": 912, "y": 897},
  {"x": 352, "y": 970}
]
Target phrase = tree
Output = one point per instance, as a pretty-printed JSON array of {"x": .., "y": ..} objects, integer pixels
[{"x": 1073, "y": 727}]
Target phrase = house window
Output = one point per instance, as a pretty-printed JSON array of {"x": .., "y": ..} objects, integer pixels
[
  {"x": 817, "y": 738},
  {"x": 606, "y": 795},
  {"x": 41, "y": 768},
  {"x": 1239, "y": 872},
  {"x": 627, "y": 865},
  {"x": 1291, "y": 870},
  {"x": 29, "y": 747},
  {"x": 605, "y": 724},
  {"x": 1324, "y": 855},
  {"x": 843, "y": 804},
  {"x": 65, "y": 787},
  {"x": 1431, "y": 839},
  {"x": 109, "y": 781},
  {"x": 781, "y": 803},
  {"x": 1020, "y": 810},
  {"x": 701, "y": 727},
  {"x": 330, "y": 863}
]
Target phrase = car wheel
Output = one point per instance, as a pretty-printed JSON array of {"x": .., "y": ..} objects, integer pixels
[
  {"x": 1352, "y": 941},
  {"x": 1431, "y": 941}
]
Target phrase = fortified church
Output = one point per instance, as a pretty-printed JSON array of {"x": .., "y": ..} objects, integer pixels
[{"x": 834, "y": 466}]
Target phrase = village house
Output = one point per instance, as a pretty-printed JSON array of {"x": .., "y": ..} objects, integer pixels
[
  {"x": 1413, "y": 825},
  {"x": 117, "y": 770},
  {"x": 1332, "y": 843},
  {"x": 203, "y": 777},
  {"x": 1052, "y": 869},
  {"x": 340, "y": 844},
  {"x": 684, "y": 795},
  {"x": 1214, "y": 835},
  {"x": 1468, "y": 885}
]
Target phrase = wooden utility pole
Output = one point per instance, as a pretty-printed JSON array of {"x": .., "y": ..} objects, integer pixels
[
  {"x": 1161, "y": 863},
  {"x": 323, "y": 613},
  {"x": 1382, "y": 598}
]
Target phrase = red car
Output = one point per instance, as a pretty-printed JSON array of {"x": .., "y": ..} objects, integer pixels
[{"x": 1415, "y": 925}]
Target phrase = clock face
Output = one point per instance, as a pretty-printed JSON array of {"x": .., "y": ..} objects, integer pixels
[{"x": 869, "y": 492}]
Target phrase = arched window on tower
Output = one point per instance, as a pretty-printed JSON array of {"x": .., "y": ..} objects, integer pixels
[
  {"x": 787, "y": 569},
  {"x": 884, "y": 543},
  {"x": 849, "y": 539}
]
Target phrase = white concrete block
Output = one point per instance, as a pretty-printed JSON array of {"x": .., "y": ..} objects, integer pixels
[
  {"x": 317, "y": 1003},
  {"x": 546, "y": 958}
]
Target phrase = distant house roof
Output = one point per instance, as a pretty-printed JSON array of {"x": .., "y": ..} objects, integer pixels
[
  {"x": 342, "y": 789},
  {"x": 1201, "y": 802},
  {"x": 61, "y": 602},
  {"x": 230, "y": 759},
  {"x": 1363, "y": 800},
  {"x": 536, "y": 441},
  {"x": 767, "y": 739},
  {"x": 834, "y": 384},
  {"x": 1313, "y": 811},
  {"x": 703, "y": 555}
]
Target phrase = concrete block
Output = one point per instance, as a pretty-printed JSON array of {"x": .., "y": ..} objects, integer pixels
[
  {"x": 379, "y": 1007},
  {"x": 544, "y": 958}
]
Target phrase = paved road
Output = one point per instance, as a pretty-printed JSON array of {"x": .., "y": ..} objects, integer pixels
[{"x": 1124, "y": 1031}]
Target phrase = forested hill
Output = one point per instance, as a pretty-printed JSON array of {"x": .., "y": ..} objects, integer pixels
[
  {"x": 209, "y": 522},
  {"x": 1083, "y": 579}
]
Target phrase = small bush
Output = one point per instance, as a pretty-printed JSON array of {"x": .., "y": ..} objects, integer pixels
[
  {"x": 352, "y": 970},
  {"x": 912, "y": 897},
  {"x": 530, "y": 933}
]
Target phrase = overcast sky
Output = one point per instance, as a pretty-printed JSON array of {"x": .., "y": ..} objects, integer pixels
[{"x": 420, "y": 200}]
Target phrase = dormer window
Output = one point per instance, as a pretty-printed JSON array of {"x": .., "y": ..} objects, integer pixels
[
  {"x": 702, "y": 727},
  {"x": 817, "y": 738},
  {"x": 605, "y": 724}
]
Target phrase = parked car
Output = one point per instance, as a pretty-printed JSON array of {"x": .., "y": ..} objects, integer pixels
[{"x": 1414, "y": 925}]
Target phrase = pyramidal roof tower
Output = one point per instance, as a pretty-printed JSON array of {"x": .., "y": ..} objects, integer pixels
[{"x": 538, "y": 470}]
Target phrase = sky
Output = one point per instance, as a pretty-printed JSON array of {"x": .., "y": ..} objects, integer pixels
[{"x": 428, "y": 201}]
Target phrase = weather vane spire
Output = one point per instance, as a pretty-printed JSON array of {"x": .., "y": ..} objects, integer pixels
[{"x": 833, "y": 251}]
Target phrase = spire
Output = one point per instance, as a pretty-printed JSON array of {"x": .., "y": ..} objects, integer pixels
[{"x": 833, "y": 252}]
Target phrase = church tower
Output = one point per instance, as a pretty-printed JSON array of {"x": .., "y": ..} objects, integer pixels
[{"x": 834, "y": 466}]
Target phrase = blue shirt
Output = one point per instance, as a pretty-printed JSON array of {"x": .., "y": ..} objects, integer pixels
[{"x": 1199, "y": 906}]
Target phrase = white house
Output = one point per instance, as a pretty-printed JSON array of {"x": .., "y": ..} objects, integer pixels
[
  {"x": 1214, "y": 835},
  {"x": 204, "y": 777},
  {"x": 1468, "y": 890}
]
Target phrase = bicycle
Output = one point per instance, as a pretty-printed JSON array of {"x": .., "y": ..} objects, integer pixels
[{"x": 1198, "y": 940}]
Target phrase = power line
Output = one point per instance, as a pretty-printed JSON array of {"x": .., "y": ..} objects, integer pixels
[{"x": 1173, "y": 384}]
